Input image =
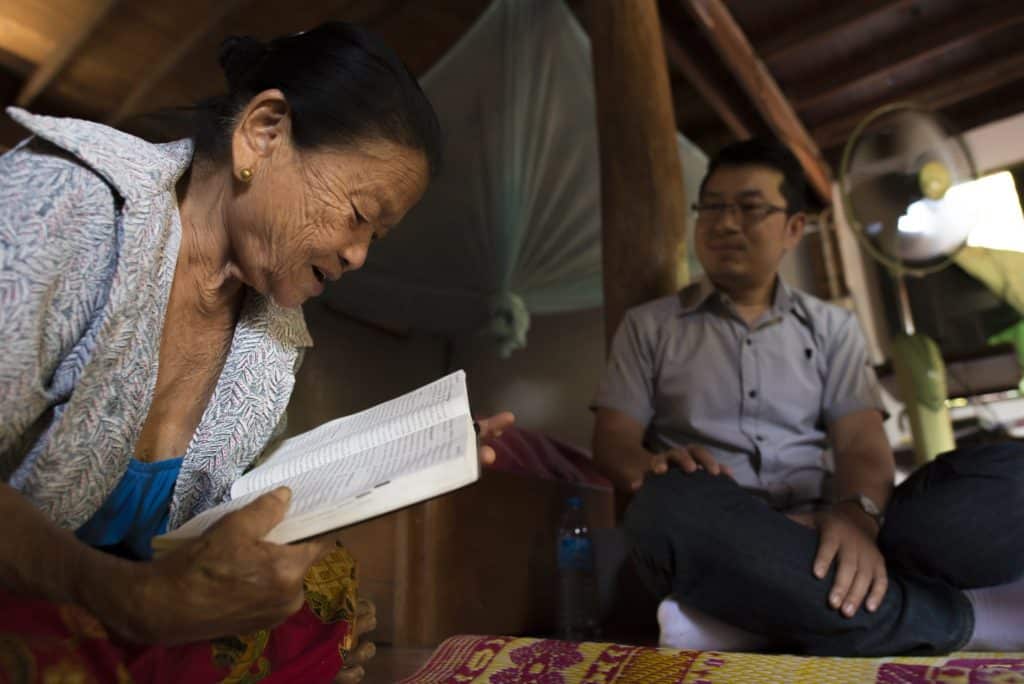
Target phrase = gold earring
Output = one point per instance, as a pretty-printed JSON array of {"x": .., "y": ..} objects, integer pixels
[{"x": 245, "y": 175}]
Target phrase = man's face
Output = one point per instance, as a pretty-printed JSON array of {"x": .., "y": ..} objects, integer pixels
[{"x": 741, "y": 236}]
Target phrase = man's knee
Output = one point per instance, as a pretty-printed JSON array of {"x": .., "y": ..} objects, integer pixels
[
  {"x": 977, "y": 495},
  {"x": 994, "y": 474},
  {"x": 1003, "y": 475},
  {"x": 666, "y": 521},
  {"x": 671, "y": 502},
  {"x": 1002, "y": 461}
]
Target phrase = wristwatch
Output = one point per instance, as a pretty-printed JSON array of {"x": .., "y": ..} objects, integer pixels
[{"x": 868, "y": 505}]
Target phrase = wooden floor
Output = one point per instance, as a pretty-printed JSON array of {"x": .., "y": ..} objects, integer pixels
[{"x": 391, "y": 665}]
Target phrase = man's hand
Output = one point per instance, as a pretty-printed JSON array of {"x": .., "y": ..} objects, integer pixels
[
  {"x": 491, "y": 428},
  {"x": 690, "y": 459},
  {"x": 620, "y": 454},
  {"x": 354, "y": 668},
  {"x": 848, "y": 537},
  {"x": 228, "y": 581}
]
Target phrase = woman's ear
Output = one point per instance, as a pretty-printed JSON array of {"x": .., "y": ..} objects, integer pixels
[{"x": 264, "y": 127}]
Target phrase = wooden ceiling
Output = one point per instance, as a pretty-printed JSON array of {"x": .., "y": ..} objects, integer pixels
[
  {"x": 738, "y": 67},
  {"x": 121, "y": 58},
  {"x": 838, "y": 61}
]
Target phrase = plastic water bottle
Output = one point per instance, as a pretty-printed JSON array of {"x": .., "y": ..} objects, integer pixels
[{"x": 577, "y": 605}]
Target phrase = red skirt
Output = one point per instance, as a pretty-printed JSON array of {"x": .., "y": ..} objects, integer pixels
[{"x": 63, "y": 643}]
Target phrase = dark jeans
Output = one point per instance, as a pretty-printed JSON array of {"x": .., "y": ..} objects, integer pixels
[{"x": 956, "y": 523}]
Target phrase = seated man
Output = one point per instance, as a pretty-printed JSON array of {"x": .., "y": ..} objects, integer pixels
[{"x": 718, "y": 408}]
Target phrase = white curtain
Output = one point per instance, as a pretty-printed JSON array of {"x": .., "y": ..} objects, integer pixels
[{"x": 512, "y": 226}]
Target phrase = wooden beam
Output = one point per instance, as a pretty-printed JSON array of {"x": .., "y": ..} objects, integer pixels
[
  {"x": 59, "y": 58},
  {"x": 824, "y": 25},
  {"x": 877, "y": 63},
  {"x": 643, "y": 208},
  {"x": 682, "y": 62},
  {"x": 948, "y": 90},
  {"x": 1003, "y": 102},
  {"x": 218, "y": 12},
  {"x": 736, "y": 51}
]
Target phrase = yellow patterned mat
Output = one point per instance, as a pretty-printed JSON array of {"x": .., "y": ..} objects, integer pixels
[{"x": 507, "y": 660}]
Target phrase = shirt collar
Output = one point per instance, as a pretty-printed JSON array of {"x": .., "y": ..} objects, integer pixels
[
  {"x": 698, "y": 295},
  {"x": 783, "y": 301},
  {"x": 134, "y": 167},
  {"x": 288, "y": 325}
]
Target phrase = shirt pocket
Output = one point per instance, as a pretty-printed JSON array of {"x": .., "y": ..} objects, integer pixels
[
  {"x": 698, "y": 383},
  {"x": 792, "y": 384}
]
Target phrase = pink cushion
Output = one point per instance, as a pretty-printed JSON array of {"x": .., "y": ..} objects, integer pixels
[{"x": 534, "y": 454}]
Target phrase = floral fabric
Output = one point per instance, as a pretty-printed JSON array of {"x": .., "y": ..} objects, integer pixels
[
  {"x": 48, "y": 643},
  {"x": 508, "y": 660}
]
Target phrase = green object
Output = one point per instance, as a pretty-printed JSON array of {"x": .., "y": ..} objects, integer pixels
[
  {"x": 921, "y": 373},
  {"x": 1002, "y": 271},
  {"x": 1015, "y": 336}
]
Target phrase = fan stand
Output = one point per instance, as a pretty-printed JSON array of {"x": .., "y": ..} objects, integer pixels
[{"x": 921, "y": 374}]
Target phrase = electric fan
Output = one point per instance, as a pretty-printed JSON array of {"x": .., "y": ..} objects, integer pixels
[{"x": 901, "y": 189}]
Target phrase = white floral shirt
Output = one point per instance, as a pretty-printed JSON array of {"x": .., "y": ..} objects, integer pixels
[{"x": 89, "y": 235}]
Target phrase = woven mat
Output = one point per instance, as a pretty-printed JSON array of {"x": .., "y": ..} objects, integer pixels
[{"x": 507, "y": 660}]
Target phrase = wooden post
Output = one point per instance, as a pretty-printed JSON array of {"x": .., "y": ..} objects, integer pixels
[
  {"x": 643, "y": 210},
  {"x": 725, "y": 34}
]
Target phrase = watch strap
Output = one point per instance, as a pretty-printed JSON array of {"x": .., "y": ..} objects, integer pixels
[{"x": 868, "y": 505}]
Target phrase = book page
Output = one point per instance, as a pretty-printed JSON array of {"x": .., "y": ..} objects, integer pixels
[
  {"x": 439, "y": 401},
  {"x": 338, "y": 482}
]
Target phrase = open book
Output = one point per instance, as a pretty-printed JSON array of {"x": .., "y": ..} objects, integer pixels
[{"x": 398, "y": 453}]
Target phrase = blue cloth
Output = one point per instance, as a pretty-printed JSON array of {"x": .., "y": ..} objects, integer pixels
[{"x": 136, "y": 511}]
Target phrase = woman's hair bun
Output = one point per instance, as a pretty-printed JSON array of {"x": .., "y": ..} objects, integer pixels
[
  {"x": 343, "y": 86},
  {"x": 239, "y": 55}
]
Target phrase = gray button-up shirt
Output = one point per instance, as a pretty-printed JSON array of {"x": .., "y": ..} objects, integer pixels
[{"x": 760, "y": 398}]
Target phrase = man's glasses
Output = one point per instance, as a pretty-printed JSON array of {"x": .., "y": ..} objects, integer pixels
[{"x": 751, "y": 213}]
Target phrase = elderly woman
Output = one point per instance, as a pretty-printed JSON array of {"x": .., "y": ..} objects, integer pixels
[{"x": 150, "y": 331}]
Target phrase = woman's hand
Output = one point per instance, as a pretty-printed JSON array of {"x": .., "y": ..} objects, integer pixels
[
  {"x": 490, "y": 428},
  {"x": 228, "y": 581},
  {"x": 354, "y": 669}
]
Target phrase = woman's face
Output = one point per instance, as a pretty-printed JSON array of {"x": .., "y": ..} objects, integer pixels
[{"x": 307, "y": 217}]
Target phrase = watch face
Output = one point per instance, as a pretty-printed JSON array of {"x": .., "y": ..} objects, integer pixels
[{"x": 868, "y": 505}]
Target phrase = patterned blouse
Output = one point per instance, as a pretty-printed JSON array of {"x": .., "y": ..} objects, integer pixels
[{"x": 89, "y": 235}]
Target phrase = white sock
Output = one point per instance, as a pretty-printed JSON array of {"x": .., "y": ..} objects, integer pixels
[
  {"x": 688, "y": 628},
  {"x": 998, "y": 617}
]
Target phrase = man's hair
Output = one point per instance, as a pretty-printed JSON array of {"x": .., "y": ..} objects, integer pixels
[{"x": 769, "y": 153}]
